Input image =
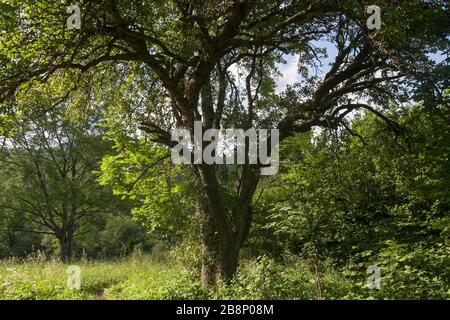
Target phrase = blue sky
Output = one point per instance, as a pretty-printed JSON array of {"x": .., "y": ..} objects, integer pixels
[{"x": 289, "y": 70}]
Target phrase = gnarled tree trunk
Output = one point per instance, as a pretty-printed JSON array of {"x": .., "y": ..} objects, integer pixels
[{"x": 231, "y": 226}]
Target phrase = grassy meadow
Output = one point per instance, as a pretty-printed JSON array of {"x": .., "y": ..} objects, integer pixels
[
  {"x": 138, "y": 278},
  {"x": 150, "y": 277},
  {"x": 162, "y": 277}
]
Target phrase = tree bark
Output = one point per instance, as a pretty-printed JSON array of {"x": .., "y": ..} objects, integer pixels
[
  {"x": 66, "y": 244},
  {"x": 231, "y": 226},
  {"x": 209, "y": 246}
]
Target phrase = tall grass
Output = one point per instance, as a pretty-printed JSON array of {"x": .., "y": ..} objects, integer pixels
[
  {"x": 39, "y": 278},
  {"x": 143, "y": 277},
  {"x": 159, "y": 277}
]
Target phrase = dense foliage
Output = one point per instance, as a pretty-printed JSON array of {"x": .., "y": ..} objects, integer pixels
[{"x": 370, "y": 199}]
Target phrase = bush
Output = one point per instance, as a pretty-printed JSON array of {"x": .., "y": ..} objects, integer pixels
[{"x": 410, "y": 271}]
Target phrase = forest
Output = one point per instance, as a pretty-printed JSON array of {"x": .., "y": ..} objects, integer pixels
[{"x": 114, "y": 168}]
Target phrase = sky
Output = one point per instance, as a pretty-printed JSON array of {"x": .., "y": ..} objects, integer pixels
[{"x": 289, "y": 70}]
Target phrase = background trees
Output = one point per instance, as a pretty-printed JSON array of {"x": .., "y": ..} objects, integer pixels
[{"x": 48, "y": 178}]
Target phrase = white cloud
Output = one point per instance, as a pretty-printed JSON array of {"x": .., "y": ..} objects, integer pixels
[{"x": 289, "y": 73}]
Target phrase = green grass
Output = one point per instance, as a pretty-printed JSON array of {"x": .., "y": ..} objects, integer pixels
[
  {"x": 156, "y": 277},
  {"x": 159, "y": 277},
  {"x": 41, "y": 279}
]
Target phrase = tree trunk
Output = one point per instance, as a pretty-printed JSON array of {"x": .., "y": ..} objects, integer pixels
[
  {"x": 209, "y": 246},
  {"x": 228, "y": 261},
  {"x": 231, "y": 228},
  {"x": 66, "y": 244}
]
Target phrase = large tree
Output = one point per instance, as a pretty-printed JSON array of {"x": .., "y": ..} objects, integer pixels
[{"x": 179, "y": 55}]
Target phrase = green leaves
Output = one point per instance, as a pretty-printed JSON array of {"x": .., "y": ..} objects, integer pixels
[{"x": 382, "y": 203}]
